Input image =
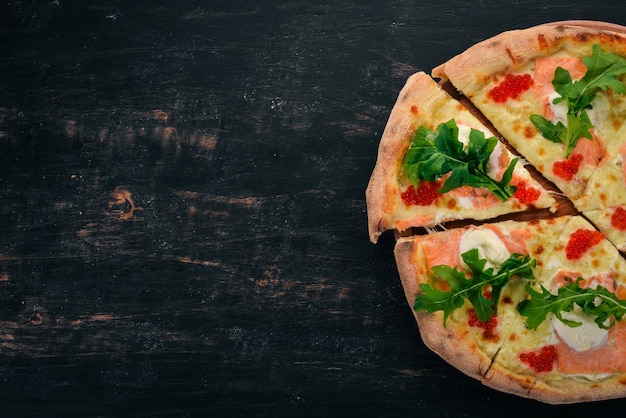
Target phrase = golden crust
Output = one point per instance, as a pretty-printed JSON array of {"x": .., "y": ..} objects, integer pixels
[
  {"x": 419, "y": 92},
  {"x": 470, "y": 70},
  {"x": 407, "y": 268}
]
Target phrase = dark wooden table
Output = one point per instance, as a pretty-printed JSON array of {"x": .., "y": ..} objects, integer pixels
[{"x": 183, "y": 225}]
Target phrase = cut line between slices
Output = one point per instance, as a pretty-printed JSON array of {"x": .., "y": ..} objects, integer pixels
[{"x": 564, "y": 206}]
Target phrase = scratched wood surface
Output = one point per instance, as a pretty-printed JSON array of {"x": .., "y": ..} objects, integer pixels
[{"x": 183, "y": 226}]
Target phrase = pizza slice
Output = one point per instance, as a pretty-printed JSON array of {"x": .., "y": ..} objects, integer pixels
[
  {"x": 437, "y": 163},
  {"x": 528, "y": 308},
  {"x": 556, "y": 93}
]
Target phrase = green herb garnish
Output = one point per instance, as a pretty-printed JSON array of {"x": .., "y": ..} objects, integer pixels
[
  {"x": 599, "y": 302},
  {"x": 433, "y": 154},
  {"x": 602, "y": 73},
  {"x": 472, "y": 288}
]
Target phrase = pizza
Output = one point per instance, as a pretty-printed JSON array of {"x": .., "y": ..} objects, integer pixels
[
  {"x": 556, "y": 93},
  {"x": 505, "y": 185},
  {"x": 451, "y": 278},
  {"x": 427, "y": 121}
]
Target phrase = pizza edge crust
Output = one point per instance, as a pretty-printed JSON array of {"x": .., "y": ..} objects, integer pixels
[
  {"x": 470, "y": 70},
  {"x": 422, "y": 91}
]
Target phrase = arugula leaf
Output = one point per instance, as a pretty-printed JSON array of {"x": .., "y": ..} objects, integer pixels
[
  {"x": 472, "y": 288},
  {"x": 577, "y": 127},
  {"x": 432, "y": 154},
  {"x": 599, "y": 302},
  {"x": 603, "y": 70}
]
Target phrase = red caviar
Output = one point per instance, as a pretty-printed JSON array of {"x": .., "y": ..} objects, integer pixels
[
  {"x": 473, "y": 321},
  {"x": 489, "y": 327},
  {"x": 526, "y": 194},
  {"x": 618, "y": 219},
  {"x": 425, "y": 194},
  {"x": 581, "y": 241},
  {"x": 541, "y": 360},
  {"x": 510, "y": 88},
  {"x": 567, "y": 169}
]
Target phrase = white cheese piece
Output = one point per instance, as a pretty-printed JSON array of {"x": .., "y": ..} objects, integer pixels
[
  {"x": 553, "y": 264},
  {"x": 599, "y": 111},
  {"x": 488, "y": 244},
  {"x": 584, "y": 337},
  {"x": 465, "y": 202},
  {"x": 559, "y": 109},
  {"x": 493, "y": 168},
  {"x": 464, "y": 132},
  {"x": 597, "y": 114}
]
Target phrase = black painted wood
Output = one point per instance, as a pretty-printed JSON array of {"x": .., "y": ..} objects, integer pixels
[{"x": 182, "y": 214}]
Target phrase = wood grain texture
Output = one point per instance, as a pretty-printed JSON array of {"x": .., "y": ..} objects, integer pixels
[{"x": 182, "y": 209}]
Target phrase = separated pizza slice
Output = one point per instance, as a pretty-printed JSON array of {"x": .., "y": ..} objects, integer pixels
[
  {"x": 437, "y": 162},
  {"x": 529, "y": 308},
  {"x": 556, "y": 93}
]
